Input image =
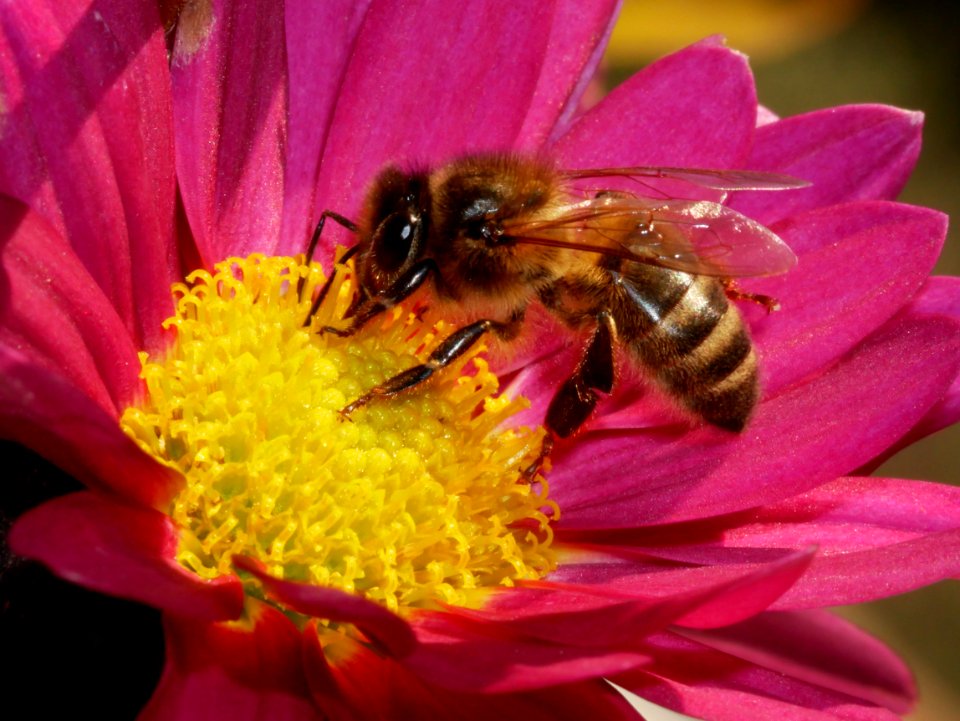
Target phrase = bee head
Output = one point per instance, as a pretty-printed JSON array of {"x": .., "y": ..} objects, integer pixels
[{"x": 395, "y": 227}]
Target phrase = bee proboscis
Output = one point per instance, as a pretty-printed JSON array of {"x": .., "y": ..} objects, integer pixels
[{"x": 492, "y": 234}]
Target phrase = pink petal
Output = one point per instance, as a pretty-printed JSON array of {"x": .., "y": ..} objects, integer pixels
[
  {"x": 866, "y": 531},
  {"x": 859, "y": 263},
  {"x": 102, "y": 544},
  {"x": 805, "y": 436},
  {"x": 892, "y": 569},
  {"x": 854, "y": 152},
  {"x": 392, "y": 633},
  {"x": 821, "y": 649},
  {"x": 364, "y": 684},
  {"x": 395, "y": 105},
  {"x": 765, "y": 116},
  {"x": 578, "y": 37},
  {"x": 320, "y": 38},
  {"x": 248, "y": 671},
  {"x": 42, "y": 410},
  {"x": 329, "y": 692},
  {"x": 746, "y": 596},
  {"x": 229, "y": 92},
  {"x": 868, "y": 534},
  {"x": 472, "y": 656},
  {"x": 614, "y": 605},
  {"x": 55, "y": 314},
  {"x": 695, "y": 108},
  {"x": 708, "y": 684},
  {"x": 86, "y": 96},
  {"x": 940, "y": 296}
]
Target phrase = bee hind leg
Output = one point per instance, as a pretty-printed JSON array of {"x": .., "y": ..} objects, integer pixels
[
  {"x": 576, "y": 398},
  {"x": 735, "y": 293}
]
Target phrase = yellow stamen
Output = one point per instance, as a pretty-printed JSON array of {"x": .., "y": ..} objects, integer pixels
[{"x": 417, "y": 499}]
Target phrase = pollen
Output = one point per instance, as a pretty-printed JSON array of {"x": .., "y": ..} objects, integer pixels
[{"x": 415, "y": 500}]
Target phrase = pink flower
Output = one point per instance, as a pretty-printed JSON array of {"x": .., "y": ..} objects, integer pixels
[{"x": 692, "y": 564}]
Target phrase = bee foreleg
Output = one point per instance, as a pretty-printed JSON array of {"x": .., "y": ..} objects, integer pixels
[
  {"x": 452, "y": 347},
  {"x": 576, "y": 398},
  {"x": 312, "y": 247},
  {"x": 403, "y": 288},
  {"x": 322, "y": 295}
]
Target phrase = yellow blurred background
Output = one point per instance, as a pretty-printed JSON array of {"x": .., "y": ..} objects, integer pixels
[{"x": 808, "y": 54}]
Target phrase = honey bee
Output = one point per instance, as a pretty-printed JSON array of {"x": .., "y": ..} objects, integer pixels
[{"x": 494, "y": 233}]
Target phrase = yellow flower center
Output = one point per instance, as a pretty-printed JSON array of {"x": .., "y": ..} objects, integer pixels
[{"x": 416, "y": 499}]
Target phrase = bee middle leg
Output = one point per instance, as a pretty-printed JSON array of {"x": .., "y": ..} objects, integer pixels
[{"x": 452, "y": 347}]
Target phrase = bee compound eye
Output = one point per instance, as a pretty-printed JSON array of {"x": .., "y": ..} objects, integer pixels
[{"x": 394, "y": 240}]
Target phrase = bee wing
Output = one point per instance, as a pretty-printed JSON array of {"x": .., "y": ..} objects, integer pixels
[
  {"x": 693, "y": 236},
  {"x": 706, "y": 178}
]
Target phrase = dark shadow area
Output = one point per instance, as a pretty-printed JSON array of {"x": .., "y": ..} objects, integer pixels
[{"x": 68, "y": 652}]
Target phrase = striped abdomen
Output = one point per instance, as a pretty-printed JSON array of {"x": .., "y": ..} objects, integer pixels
[{"x": 690, "y": 339}]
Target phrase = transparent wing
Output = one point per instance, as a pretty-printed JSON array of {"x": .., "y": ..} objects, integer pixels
[
  {"x": 694, "y": 236},
  {"x": 705, "y": 178}
]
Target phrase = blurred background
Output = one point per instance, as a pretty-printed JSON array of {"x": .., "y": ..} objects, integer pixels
[{"x": 809, "y": 54}]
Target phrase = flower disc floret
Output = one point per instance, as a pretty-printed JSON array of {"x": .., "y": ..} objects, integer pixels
[{"x": 414, "y": 500}]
